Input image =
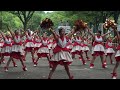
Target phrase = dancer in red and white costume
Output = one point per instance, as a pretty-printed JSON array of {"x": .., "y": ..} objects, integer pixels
[
  {"x": 17, "y": 49},
  {"x": 7, "y": 47},
  {"x": 29, "y": 45},
  {"x": 77, "y": 47},
  {"x": 43, "y": 51},
  {"x": 50, "y": 42},
  {"x": 117, "y": 56},
  {"x": 85, "y": 47},
  {"x": 98, "y": 48},
  {"x": 54, "y": 43},
  {"x": 50, "y": 45},
  {"x": 70, "y": 43},
  {"x": 37, "y": 42},
  {"x": 1, "y": 43},
  {"x": 109, "y": 50},
  {"x": 1, "y": 46},
  {"x": 61, "y": 55}
]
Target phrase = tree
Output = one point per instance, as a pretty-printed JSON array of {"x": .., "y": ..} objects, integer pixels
[
  {"x": 24, "y": 16},
  {"x": 9, "y": 19},
  {"x": 116, "y": 15},
  {"x": 35, "y": 20}
]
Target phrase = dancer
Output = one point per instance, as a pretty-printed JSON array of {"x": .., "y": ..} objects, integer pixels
[
  {"x": 29, "y": 45},
  {"x": 7, "y": 47},
  {"x": 50, "y": 45},
  {"x": 17, "y": 49},
  {"x": 109, "y": 50},
  {"x": 70, "y": 43},
  {"x": 98, "y": 48},
  {"x": 43, "y": 50},
  {"x": 86, "y": 47},
  {"x": 37, "y": 42},
  {"x": 62, "y": 55},
  {"x": 50, "y": 42},
  {"x": 117, "y": 56},
  {"x": 77, "y": 47},
  {"x": 1, "y": 46}
]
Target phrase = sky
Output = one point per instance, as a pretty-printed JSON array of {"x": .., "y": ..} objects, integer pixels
[{"x": 48, "y": 11}]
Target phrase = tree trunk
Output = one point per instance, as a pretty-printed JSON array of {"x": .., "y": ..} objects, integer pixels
[{"x": 25, "y": 25}]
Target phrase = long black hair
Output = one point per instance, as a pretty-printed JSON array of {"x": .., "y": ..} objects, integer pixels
[
  {"x": 99, "y": 31},
  {"x": 60, "y": 30},
  {"x": 16, "y": 31}
]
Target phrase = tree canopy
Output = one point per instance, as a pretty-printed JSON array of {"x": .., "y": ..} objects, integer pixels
[{"x": 31, "y": 19}]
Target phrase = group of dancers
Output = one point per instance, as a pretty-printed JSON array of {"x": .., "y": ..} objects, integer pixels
[{"x": 58, "y": 48}]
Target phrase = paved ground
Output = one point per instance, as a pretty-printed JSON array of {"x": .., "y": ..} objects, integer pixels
[{"x": 42, "y": 70}]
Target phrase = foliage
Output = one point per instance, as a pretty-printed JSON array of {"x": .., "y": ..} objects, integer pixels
[
  {"x": 24, "y": 16},
  {"x": 11, "y": 20},
  {"x": 31, "y": 19}
]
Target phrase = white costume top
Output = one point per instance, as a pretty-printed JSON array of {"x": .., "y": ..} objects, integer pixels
[
  {"x": 78, "y": 40},
  {"x": 61, "y": 43},
  {"x": 98, "y": 39},
  {"x": 8, "y": 40},
  {"x": 45, "y": 42},
  {"x": 17, "y": 39}
]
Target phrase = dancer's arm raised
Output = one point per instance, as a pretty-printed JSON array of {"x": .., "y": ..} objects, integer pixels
[
  {"x": 11, "y": 32},
  {"x": 54, "y": 34}
]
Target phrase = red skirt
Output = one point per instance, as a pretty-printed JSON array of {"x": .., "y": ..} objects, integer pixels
[
  {"x": 36, "y": 48},
  {"x": 29, "y": 49},
  {"x": 117, "y": 59},
  {"x": 42, "y": 55},
  {"x": 59, "y": 62},
  {"x": 98, "y": 53},
  {"x": 109, "y": 54},
  {"x": 16, "y": 55},
  {"x": 86, "y": 51},
  {"x": 5, "y": 54},
  {"x": 0, "y": 54}
]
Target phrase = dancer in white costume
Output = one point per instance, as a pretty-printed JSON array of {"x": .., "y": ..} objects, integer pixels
[
  {"x": 62, "y": 55},
  {"x": 17, "y": 51},
  {"x": 1, "y": 46},
  {"x": 50, "y": 42},
  {"x": 109, "y": 50},
  {"x": 29, "y": 46},
  {"x": 7, "y": 47},
  {"x": 37, "y": 42},
  {"x": 77, "y": 47},
  {"x": 86, "y": 47},
  {"x": 70, "y": 43},
  {"x": 98, "y": 48},
  {"x": 117, "y": 56},
  {"x": 50, "y": 45},
  {"x": 43, "y": 50}
]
